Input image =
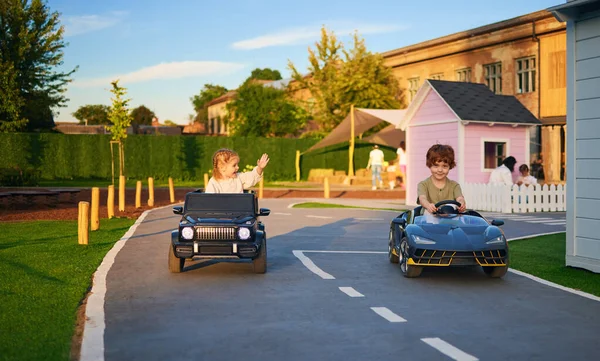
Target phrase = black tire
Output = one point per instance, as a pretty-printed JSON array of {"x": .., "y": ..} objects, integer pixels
[
  {"x": 260, "y": 262},
  {"x": 175, "y": 263},
  {"x": 391, "y": 256},
  {"x": 495, "y": 272},
  {"x": 408, "y": 271}
]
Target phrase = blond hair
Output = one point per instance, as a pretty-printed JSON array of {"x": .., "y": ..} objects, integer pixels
[{"x": 220, "y": 158}]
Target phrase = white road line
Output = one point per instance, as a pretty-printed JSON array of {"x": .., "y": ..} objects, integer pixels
[
  {"x": 317, "y": 251},
  {"x": 534, "y": 235},
  {"x": 369, "y": 219},
  {"x": 387, "y": 314},
  {"x": 282, "y": 214},
  {"x": 448, "y": 350},
  {"x": 311, "y": 266},
  {"x": 552, "y": 284},
  {"x": 351, "y": 292},
  {"x": 321, "y": 217},
  {"x": 561, "y": 223},
  {"x": 539, "y": 220}
]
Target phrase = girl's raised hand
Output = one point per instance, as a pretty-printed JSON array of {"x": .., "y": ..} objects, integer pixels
[{"x": 263, "y": 161}]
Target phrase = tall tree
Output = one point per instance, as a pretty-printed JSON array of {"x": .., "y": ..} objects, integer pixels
[
  {"x": 31, "y": 50},
  {"x": 142, "y": 116},
  {"x": 208, "y": 93},
  {"x": 265, "y": 74},
  {"x": 264, "y": 111},
  {"x": 93, "y": 114},
  {"x": 339, "y": 78}
]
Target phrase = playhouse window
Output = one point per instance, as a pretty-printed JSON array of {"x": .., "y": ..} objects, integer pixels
[
  {"x": 494, "y": 154},
  {"x": 493, "y": 77},
  {"x": 526, "y": 75},
  {"x": 413, "y": 86},
  {"x": 463, "y": 75}
]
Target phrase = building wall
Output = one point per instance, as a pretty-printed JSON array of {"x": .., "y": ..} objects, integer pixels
[
  {"x": 475, "y": 134},
  {"x": 583, "y": 131},
  {"x": 217, "y": 114}
]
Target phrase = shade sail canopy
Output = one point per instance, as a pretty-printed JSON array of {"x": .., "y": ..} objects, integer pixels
[
  {"x": 365, "y": 119},
  {"x": 390, "y": 136}
]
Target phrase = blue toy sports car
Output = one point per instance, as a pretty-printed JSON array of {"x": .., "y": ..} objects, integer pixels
[{"x": 446, "y": 239}]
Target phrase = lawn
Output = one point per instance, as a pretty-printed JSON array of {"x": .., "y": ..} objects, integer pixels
[
  {"x": 45, "y": 274},
  {"x": 158, "y": 183},
  {"x": 544, "y": 257},
  {"x": 333, "y": 205}
]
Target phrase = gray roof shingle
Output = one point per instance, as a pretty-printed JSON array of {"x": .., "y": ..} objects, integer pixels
[{"x": 476, "y": 102}]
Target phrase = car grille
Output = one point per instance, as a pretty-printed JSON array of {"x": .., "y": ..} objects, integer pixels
[
  {"x": 446, "y": 258},
  {"x": 215, "y": 233}
]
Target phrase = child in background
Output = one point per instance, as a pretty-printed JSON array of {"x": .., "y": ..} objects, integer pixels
[
  {"x": 391, "y": 174},
  {"x": 226, "y": 178},
  {"x": 525, "y": 177}
]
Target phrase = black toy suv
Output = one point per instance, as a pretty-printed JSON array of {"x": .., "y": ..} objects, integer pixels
[{"x": 222, "y": 225}]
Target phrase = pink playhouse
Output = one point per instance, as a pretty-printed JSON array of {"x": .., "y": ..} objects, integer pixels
[{"x": 481, "y": 126}]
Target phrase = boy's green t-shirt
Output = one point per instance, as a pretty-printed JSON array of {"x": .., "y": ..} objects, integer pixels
[{"x": 451, "y": 191}]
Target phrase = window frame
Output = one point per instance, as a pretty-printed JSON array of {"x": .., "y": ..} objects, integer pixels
[
  {"x": 466, "y": 71},
  {"x": 525, "y": 77},
  {"x": 506, "y": 142},
  {"x": 496, "y": 76},
  {"x": 413, "y": 86}
]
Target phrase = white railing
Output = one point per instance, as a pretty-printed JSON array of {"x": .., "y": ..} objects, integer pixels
[{"x": 518, "y": 199}]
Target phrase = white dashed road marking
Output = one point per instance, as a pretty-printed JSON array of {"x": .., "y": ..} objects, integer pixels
[
  {"x": 312, "y": 267},
  {"x": 387, "y": 314},
  {"x": 321, "y": 217},
  {"x": 369, "y": 219},
  {"x": 351, "y": 292},
  {"x": 282, "y": 214},
  {"x": 449, "y": 350}
]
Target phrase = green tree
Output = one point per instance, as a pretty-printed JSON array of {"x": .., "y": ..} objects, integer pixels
[
  {"x": 208, "y": 93},
  {"x": 170, "y": 123},
  {"x": 31, "y": 50},
  {"x": 264, "y": 111},
  {"x": 142, "y": 116},
  {"x": 265, "y": 74},
  {"x": 93, "y": 114},
  {"x": 339, "y": 78},
  {"x": 120, "y": 118}
]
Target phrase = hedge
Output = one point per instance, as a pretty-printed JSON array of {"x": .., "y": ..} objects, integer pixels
[{"x": 83, "y": 156}]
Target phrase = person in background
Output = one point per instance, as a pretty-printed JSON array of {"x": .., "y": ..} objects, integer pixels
[
  {"x": 402, "y": 162},
  {"x": 391, "y": 173},
  {"x": 375, "y": 164},
  {"x": 525, "y": 177},
  {"x": 503, "y": 174},
  {"x": 226, "y": 178}
]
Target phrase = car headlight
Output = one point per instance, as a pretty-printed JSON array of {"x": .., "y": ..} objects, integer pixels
[
  {"x": 244, "y": 233},
  {"x": 187, "y": 232},
  {"x": 422, "y": 240},
  {"x": 497, "y": 240}
]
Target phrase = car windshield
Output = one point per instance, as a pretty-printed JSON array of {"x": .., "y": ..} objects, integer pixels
[
  {"x": 460, "y": 220},
  {"x": 220, "y": 203}
]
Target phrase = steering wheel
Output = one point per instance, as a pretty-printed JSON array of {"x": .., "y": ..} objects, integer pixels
[{"x": 448, "y": 201}]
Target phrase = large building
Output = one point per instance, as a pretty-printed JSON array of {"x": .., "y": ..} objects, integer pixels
[{"x": 523, "y": 56}]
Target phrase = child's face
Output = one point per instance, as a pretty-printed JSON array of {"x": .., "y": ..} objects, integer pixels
[
  {"x": 230, "y": 169},
  {"x": 525, "y": 172},
  {"x": 439, "y": 170}
]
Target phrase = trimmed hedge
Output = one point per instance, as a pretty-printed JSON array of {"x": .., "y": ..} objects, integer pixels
[{"x": 83, "y": 156}]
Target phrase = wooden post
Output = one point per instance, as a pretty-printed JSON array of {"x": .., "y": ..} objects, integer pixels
[
  {"x": 171, "y": 190},
  {"x": 110, "y": 202},
  {"x": 122, "y": 193},
  {"x": 351, "y": 150},
  {"x": 297, "y": 166},
  {"x": 150, "y": 191},
  {"x": 95, "y": 222},
  {"x": 83, "y": 223},
  {"x": 138, "y": 194},
  {"x": 326, "y": 187},
  {"x": 205, "y": 180},
  {"x": 260, "y": 187}
]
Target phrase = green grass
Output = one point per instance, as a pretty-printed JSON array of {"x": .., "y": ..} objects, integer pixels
[
  {"x": 44, "y": 275},
  {"x": 332, "y": 205},
  {"x": 88, "y": 183},
  {"x": 544, "y": 257}
]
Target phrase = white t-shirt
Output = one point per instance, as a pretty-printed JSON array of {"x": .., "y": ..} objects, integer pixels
[
  {"x": 233, "y": 185},
  {"x": 401, "y": 156},
  {"x": 501, "y": 175},
  {"x": 376, "y": 157},
  {"x": 527, "y": 180}
]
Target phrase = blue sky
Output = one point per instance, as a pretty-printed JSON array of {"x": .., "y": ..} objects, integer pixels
[{"x": 165, "y": 51}]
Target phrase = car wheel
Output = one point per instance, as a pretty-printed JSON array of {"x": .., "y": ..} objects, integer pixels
[
  {"x": 260, "y": 262},
  {"x": 175, "y": 263},
  {"x": 495, "y": 272},
  {"x": 409, "y": 271},
  {"x": 391, "y": 256}
]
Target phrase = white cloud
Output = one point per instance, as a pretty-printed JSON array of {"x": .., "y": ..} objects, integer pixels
[
  {"x": 301, "y": 35},
  {"x": 173, "y": 70},
  {"x": 77, "y": 25}
]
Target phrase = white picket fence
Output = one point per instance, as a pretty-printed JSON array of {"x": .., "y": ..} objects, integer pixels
[{"x": 517, "y": 199}]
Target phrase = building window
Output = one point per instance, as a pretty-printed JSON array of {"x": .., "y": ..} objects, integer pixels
[
  {"x": 526, "y": 75},
  {"x": 438, "y": 76},
  {"x": 413, "y": 86},
  {"x": 493, "y": 77},
  {"x": 493, "y": 154},
  {"x": 463, "y": 75}
]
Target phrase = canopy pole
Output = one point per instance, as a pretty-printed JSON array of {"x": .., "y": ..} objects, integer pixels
[
  {"x": 351, "y": 150},
  {"x": 297, "y": 166}
]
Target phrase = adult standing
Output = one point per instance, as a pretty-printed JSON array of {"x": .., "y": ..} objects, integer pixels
[
  {"x": 503, "y": 173},
  {"x": 402, "y": 161},
  {"x": 375, "y": 164}
]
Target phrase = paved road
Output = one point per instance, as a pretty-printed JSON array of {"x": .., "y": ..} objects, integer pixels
[{"x": 331, "y": 294}]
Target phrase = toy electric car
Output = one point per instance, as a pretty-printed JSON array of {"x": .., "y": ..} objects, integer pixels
[
  {"x": 445, "y": 239},
  {"x": 219, "y": 225}
]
